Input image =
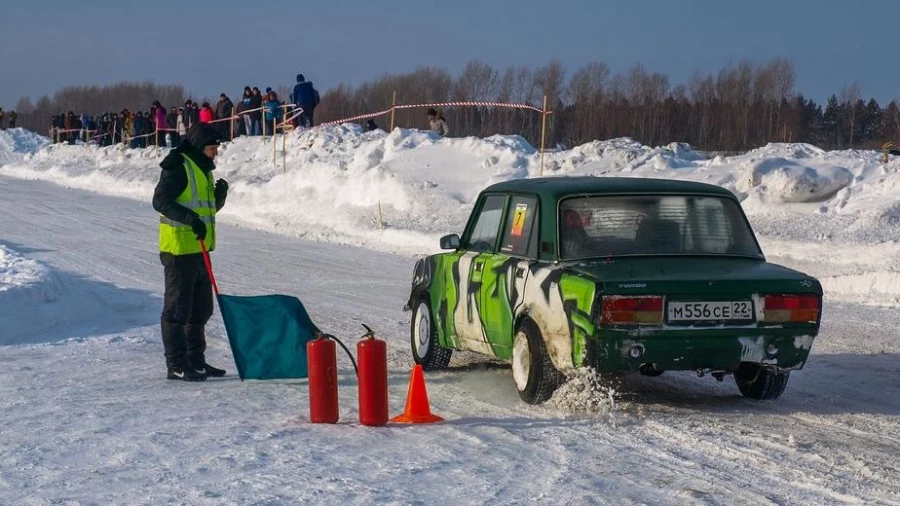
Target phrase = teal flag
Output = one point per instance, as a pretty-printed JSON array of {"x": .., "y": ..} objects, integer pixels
[{"x": 268, "y": 335}]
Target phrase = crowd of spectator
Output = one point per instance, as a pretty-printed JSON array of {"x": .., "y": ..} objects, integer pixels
[{"x": 254, "y": 114}]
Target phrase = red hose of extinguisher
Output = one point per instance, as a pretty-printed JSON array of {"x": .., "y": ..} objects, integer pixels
[
  {"x": 209, "y": 271},
  {"x": 355, "y": 368}
]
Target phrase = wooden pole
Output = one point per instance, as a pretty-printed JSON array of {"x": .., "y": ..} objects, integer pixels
[
  {"x": 393, "y": 110},
  {"x": 231, "y": 120},
  {"x": 380, "y": 217},
  {"x": 543, "y": 133},
  {"x": 284, "y": 147}
]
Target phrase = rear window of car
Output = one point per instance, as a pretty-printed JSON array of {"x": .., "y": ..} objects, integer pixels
[{"x": 604, "y": 226}]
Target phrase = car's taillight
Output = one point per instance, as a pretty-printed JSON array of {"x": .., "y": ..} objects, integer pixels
[
  {"x": 631, "y": 310},
  {"x": 793, "y": 308}
]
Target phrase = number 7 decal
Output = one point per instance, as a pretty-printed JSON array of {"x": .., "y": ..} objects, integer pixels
[{"x": 518, "y": 224}]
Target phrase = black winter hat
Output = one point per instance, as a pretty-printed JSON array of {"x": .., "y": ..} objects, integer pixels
[{"x": 201, "y": 135}]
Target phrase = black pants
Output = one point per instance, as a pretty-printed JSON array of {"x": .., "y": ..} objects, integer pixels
[
  {"x": 187, "y": 307},
  {"x": 306, "y": 118}
]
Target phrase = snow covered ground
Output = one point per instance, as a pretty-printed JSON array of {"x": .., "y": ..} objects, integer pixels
[{"x": 87, "y": 418}]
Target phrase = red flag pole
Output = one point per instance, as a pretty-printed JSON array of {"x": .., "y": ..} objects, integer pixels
[{"x": 208, "y": 263}]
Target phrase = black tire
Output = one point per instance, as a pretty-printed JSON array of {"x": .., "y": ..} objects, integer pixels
[
  {"x": 541, "y": 379},
  {"x": 757, "y": 381},
  {"x": 426, "y": 350}
]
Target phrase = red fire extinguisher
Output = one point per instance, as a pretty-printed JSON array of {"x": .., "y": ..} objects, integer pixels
[
  {"x": 373, "y": 381},
  {"x": 323, "y": 387}
]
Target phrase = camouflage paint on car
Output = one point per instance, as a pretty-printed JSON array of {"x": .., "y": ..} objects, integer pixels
[{"x": 499, "y": 294}]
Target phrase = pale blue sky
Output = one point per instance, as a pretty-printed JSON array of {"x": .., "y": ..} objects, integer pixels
[{"x": 222, "y": 45}]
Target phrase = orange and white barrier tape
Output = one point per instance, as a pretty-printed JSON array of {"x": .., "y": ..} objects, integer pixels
[
  {"x": 443, "y": 104},
  {"x": 474, "y": 104},
  {"x": 357, "y": 118}
]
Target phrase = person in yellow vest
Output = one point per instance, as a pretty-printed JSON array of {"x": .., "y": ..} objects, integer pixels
[{"x": 187, "y": 201}]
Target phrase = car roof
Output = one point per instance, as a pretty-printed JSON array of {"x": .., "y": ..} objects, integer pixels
[{"x": 557, "y": 187}]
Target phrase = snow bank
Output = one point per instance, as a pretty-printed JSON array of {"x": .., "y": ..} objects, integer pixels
[
  {"x": 785, "y": 180},
  {"x": 17, "y": 271},
  {"x": 400, "y": 191},
  {"x": 25, "y": 285},
  {"x": 41, "y": 304},
  {"x": 15, "y": 143}
]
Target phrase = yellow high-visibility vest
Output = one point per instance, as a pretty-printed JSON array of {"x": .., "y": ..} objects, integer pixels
[{"x": 199, "y": 196}]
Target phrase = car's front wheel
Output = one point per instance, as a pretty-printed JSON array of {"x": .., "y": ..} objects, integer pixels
[
  {"x": 535, "y": 375},
  {"x": 757, "y": 381},
  {"x": 426, "y": 349}
]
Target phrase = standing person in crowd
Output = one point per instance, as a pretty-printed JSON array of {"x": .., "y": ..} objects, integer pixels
[
  {"x": 179, "y": 124},
  {"x": 101, "y": 129},
  {"x": 128, "y": 125},
  {"x": 70, "y": 126},
  {"x": 92, "y": 127},
  {"x": 172, "y": 127},
  {"x": 12, "y": 119},
  {"x": 140, "y": 129},
  {"x": 307, "y": 98},
  {"x": 246, "y": 105},
  {"x": 438, "y": 123},
  {"x": 1, "y": 118},
  {"x": 187, "y": 116},
  {"x": 159, "y": 116},
  {"x": 273, "y": 112},
  {"x": 85, "y": 133},
  {"x": 115, "y": 129},
  {"x": 224, "y": 110},
  {"x": 187, "y": 201},
  {"x": 207, "y": 115},
  {"x": 256, "y": 101}
]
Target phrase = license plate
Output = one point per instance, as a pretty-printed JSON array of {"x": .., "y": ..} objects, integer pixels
[{"x": 705, "y": 311}]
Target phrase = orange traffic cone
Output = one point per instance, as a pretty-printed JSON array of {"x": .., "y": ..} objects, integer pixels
[{"x": 417, "y": 408}]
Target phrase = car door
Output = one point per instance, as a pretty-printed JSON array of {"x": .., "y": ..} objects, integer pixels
[
  {"x": 505, "y": 271},
  {"x": 479, "y": 244}
]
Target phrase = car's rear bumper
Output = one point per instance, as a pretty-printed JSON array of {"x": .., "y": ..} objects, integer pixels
[{"x": 705, "y": 350}]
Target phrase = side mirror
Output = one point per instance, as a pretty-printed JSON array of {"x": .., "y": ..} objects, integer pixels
[{"x": 450, "y": 242}]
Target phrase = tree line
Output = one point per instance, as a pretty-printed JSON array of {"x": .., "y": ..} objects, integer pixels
[{"x": 740, "y": 107}]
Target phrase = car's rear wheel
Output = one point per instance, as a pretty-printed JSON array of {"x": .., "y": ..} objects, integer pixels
[
  {"x": 426, "y": 349},
  {"x": 758, "y": 381},
  {"x": 535, "y": 375}
]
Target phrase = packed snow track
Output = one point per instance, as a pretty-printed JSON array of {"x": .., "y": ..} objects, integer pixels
[{"x": 86, "y": 416}]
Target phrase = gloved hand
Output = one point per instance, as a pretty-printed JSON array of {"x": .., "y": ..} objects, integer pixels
[
  {"x": 221, "y": 189},
  {"x": 199, "y": 228}
]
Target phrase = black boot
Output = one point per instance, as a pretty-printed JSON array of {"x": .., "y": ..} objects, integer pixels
[
  {"x": 212, "y": 372},
  {"x": 185, "y": 374}
]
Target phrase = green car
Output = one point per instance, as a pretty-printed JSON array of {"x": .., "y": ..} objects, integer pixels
[{"x": 624, "y": 275}]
